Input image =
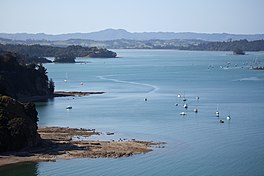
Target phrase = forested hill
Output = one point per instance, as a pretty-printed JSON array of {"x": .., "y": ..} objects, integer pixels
[
  {"x": 245, "y": 45},
  {"x": 52, "y": 51},
  {"x": 23, "y": 81}
]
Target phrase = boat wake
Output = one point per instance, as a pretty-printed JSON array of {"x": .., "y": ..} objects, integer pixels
[
  {"x": 249, "y": 79},
  {"x": 153, "y": 88}
]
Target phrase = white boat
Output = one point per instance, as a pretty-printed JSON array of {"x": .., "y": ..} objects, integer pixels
[
  {"x": 185, "y": 106},
  {"x": 183, "y": 113},
  {"x": 195, "y": 110},
  {"x": 110, "y": 133},
  {"x": 228, "y": 117}
]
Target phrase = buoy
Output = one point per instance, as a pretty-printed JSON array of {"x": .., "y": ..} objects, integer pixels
[{"x": 195, "y": 110}]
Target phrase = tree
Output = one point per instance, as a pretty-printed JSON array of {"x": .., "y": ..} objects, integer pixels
[
  {"x": 42, "y": 69},
  {"x": 51, "y": 86}
]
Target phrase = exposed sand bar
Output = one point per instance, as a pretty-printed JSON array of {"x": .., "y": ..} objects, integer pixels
[
  {"x": 58, "y": 143},
  {"x": 62, "y": 93}
]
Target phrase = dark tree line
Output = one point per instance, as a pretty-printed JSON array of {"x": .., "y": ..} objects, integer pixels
[
  {"x": 39, "y": 51},
  {"x": 243, "y": 45},
  {"x": 23, "y": 81}
]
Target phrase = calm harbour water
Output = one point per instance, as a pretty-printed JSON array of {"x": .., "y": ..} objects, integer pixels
[{"x": 197, "y": 144}]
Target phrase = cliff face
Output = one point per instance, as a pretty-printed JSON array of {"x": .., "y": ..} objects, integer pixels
[
  {"x": 18, "y": 125},
  {"x": 22, "y": 81}
]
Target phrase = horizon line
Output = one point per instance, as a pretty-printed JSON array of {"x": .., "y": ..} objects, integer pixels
[{"x": 116, "y": 29}]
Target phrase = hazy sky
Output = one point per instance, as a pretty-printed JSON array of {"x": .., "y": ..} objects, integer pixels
[{"x": 68, "y": 16}]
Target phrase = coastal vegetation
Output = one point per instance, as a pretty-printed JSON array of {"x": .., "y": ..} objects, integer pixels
[
  {"x": 240, "y": 45},
  {"x": 64, "y": 59},
  {"x": 18, "y": 125},
  {"x": 21, "y": 81},
  {"x": 36, "y": 53}
]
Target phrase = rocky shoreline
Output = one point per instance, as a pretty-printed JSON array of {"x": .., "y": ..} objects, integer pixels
[
  {"x": 58, "y": 94},
  {"x": 64, "y": 143},
  {"x": 74, "y": 93}
]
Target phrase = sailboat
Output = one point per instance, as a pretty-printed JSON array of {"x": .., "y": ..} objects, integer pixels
[
  {"x": 196, "y": 109},
  {"x": 228, "y": 117},
  {"x": 217, "y": 112}
]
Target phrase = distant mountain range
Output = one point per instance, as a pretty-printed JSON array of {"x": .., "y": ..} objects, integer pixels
[{"x": 115, "y": 34}]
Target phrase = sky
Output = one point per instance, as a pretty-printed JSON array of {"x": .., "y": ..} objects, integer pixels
[{"x": 70, "y": 16}]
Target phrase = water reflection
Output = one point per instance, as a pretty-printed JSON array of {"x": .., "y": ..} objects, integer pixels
[{"x": 21, "y": 169}]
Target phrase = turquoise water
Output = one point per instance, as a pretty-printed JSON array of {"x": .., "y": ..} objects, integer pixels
[{"x": 197, "y": 144}]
